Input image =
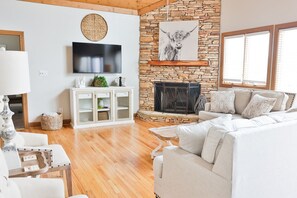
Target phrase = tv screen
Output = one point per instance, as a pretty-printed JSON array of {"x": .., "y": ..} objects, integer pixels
[{"x": 96, "y": 58}]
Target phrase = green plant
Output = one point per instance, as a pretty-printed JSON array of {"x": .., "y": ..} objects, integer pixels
[{"x": 99, "y": 81}]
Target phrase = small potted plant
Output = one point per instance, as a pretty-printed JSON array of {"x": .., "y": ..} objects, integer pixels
[{"x": 99, "y": 81}]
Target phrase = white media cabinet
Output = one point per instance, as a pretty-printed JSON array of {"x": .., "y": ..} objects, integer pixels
[{"x": 98, "y": 106}]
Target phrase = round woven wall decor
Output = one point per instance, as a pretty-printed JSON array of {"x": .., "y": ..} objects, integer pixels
[{"x": 94, "y": 27}]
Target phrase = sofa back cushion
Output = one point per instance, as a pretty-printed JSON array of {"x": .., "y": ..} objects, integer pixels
[
  {"x": 281, "y": 98},
  {"x": 191, "y": 137},
  {"x": 216, "y": 134},
  {"x": 222, "y": 101},
  {"x": 242, "y": 99},
  {"x": 291, "y": 100}
]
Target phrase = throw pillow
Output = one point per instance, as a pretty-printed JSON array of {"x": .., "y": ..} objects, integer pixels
[
  {"x": 281, "y": 99},
  {"x": 191, "y": 137},
  {"x": 257, "y": 106},
  {"x": 222, "y": 101}
]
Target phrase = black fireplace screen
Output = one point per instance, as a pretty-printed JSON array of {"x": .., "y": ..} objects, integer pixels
[{"x": 176, "y": 97}]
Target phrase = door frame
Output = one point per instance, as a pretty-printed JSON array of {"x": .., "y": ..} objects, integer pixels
[{"x": 24, "y": 96}]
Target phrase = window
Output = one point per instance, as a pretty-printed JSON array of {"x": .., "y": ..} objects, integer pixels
[
  {"x": 285, "y": 58},
  {"x": 245, "y": 60}
]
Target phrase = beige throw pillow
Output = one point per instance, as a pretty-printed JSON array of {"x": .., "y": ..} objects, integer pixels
[
  {"x": 257, "y": 106},
  {"x": 222, "y": 101},
  {"x": 281, "y": 99}
]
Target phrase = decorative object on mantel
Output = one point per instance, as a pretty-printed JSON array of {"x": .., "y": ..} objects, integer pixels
[
  {"x": 198, "y": 63},
  {"x": 178, "y": 40},
  {"x": 94, "y": 27},
  {"x": 99, "y": 81}
]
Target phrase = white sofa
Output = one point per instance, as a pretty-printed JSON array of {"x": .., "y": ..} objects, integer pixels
[
  {"x": 258, "y": 162},
  {"x": 242, "y": 98}
]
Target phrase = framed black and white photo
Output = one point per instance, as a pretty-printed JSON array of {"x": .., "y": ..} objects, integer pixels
[{"x": 178, "y": 40}]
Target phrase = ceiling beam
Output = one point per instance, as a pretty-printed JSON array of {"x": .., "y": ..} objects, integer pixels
[
  {"x": 154, "y": 6},
  {"x": 88, "y": 6}
]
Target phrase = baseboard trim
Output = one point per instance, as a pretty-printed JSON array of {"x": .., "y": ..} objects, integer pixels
[{"x": 66, "y": 122}]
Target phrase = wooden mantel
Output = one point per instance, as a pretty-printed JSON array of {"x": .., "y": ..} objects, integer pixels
[{"x": 198, "y": 63}]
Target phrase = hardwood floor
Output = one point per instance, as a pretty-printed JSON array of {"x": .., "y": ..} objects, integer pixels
[{"x": 109, "y": 161}]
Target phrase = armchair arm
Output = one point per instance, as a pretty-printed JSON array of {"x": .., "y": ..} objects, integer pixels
[
  {"x": 34, "y": 139},
  {"x": 40, "y": 187}
]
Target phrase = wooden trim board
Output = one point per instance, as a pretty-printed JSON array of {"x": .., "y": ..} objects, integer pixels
[
  {"x": 88, "y": 6},
  {"x": 66, "y": 122},
  {"x": 154, "y": 6},
  {"x": 199, "y": 63}
]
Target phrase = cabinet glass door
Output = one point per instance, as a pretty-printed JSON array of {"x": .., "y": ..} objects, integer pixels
[
  {"x": 103, "y": 105},
  {"x": 122, "y": 107},
  {"x": 85, "y": 107}
]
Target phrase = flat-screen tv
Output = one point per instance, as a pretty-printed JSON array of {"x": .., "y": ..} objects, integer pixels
[{"x": 96, "y": 58}]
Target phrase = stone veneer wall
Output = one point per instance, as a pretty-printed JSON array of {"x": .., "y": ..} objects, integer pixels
[{"x": 207, "y": 12}]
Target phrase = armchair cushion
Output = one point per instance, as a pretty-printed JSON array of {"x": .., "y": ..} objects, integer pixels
[
  {"x": 24, "y": 139},
  {"x": 40, "y": 187},
  {"x": 8, "y": 188}
]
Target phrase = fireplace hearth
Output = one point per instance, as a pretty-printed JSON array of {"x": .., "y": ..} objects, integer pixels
[{"x": 171, "y": 97}]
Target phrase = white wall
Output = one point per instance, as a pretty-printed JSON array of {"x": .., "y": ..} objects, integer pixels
[
  {"x": 243, "y": 14},
  {"x": 49, "y": 33}
]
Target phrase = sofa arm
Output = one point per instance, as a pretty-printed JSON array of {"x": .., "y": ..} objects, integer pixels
[
  {"x": 40, "y": 187},
  {"x": 223, "y": 164},
  {"x": 207, "y": 106},
  {"x": 183, "y": 170},
  {"x": 34, "y": 139}
]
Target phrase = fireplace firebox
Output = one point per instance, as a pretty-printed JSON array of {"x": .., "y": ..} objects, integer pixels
[{"x": 173, "y": 97}]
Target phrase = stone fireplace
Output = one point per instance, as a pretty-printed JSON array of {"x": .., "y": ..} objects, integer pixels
[
  {"x": 173, "y": 97},
  {"x": 208, "y": 15}
]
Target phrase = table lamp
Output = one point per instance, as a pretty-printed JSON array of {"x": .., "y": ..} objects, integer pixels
[{"x": 14, "y": 79}]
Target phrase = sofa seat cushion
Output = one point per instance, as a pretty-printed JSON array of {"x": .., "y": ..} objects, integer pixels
[
  {"x": 258, "y": 106},
  {"x": 222, "y": 101},
  {"x": 206, "y": 115},
  {"x": 281, "y": 98}
]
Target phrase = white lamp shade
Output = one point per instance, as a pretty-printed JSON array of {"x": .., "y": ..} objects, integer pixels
[{"x": 14, "y": 73}]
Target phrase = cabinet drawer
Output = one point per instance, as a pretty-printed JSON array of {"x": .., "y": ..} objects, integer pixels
[
  {"x": 102, "y": 95},
  {"x": 122, "y": 94},
  {"x": 85, "y": 96}
]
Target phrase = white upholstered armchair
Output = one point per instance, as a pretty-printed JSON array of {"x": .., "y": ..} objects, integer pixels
[{"x": 29, "y": 187}]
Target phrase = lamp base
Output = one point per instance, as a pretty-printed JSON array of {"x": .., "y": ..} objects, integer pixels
[{"x": 7, "y": 134}]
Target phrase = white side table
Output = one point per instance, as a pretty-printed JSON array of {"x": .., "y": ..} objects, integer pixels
[{"x": 163, "y": 134}]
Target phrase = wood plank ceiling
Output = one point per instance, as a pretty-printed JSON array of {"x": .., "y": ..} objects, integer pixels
[{"x": 133, "y": 7}]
